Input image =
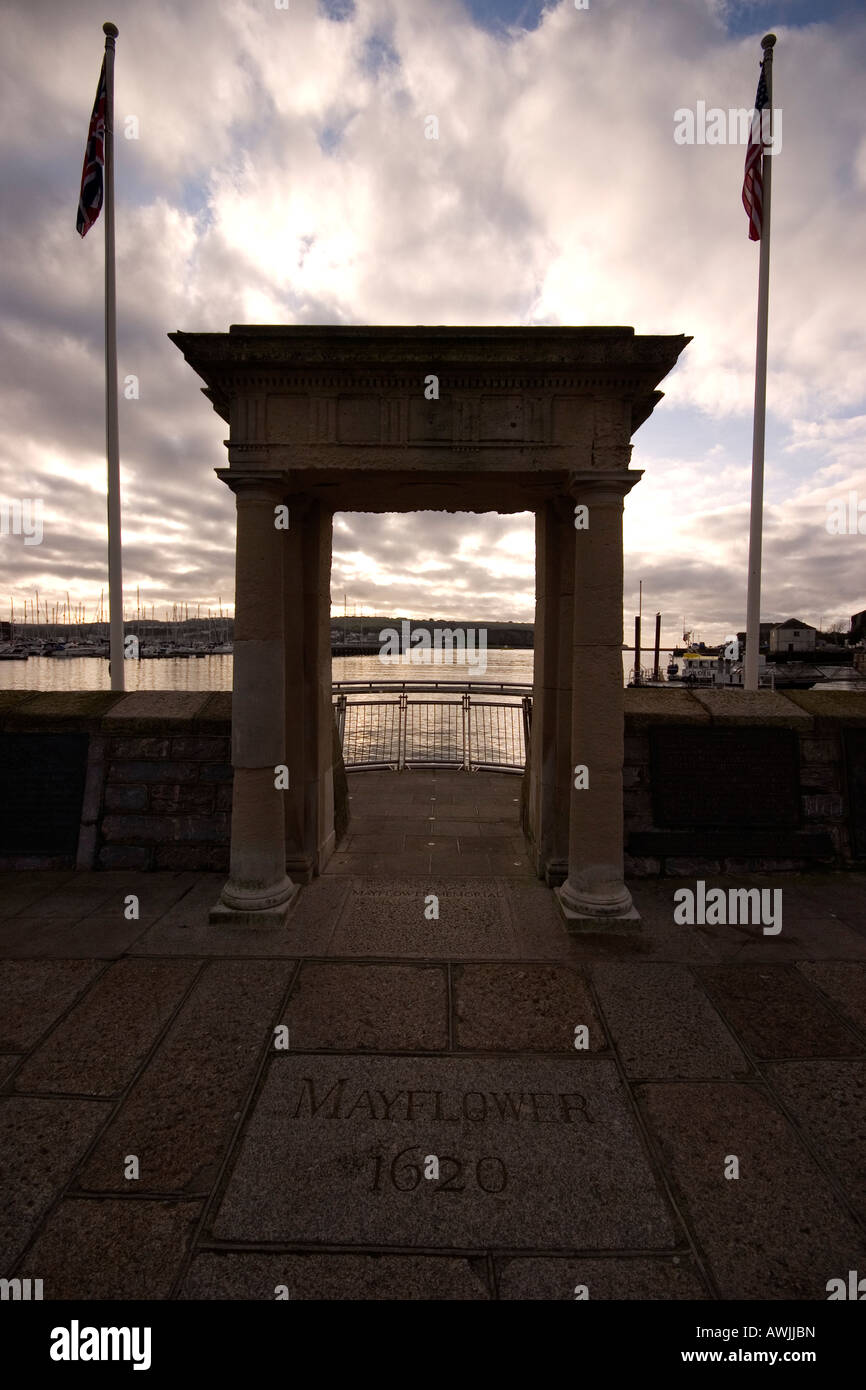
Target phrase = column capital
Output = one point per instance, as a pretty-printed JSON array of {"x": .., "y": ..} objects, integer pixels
[
  {"x": 602, "y": 486},
  {"x": 265, "y": 485}
]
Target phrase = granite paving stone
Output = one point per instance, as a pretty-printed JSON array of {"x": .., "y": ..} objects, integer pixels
[
  {"x": 82, "y": 895},
  {"x": 180, "y": 1114},
  {"x": 455, "y": 861},
  {"x": 338, "y": 1005},
  {"x": 437, "y": 843},
  {"x": 531, "y": 1153},
  {"x": 377, "y": 844},
  {"x": 776, "y": 1232},
  {"x": 801, "y": 938},
  {"x": 844, "y": 983},
  {"x": 41, "y": 1141},
  {"x": 524, "y": 1008},
  {"x": 777, "y": 1014},
  {"x": 377, "y": 865},
  {"x": 112, "y": 1249},
  {"x": 33, "y": 993},
  {"x": 94, "y": 938},
  {"x": 844, "y": 894},
  {"x": 509, "y": 865},
  {"x": 19, "y": 890},
  {"x": 335, "y": 1277},
  {"x": 97, "y": 1047},
  {"x": 536, "y": 922},
  {"x": 548, "y": 1176},
  {"x": 665, "y": 1278},
  {"x": 7, "y": 1066},
  {"x": 185, "y": 930},
  {"x": 828, "y": 1101},
  {"x": 662, "y": 1023},
  {"x": 382, "y": 918}
]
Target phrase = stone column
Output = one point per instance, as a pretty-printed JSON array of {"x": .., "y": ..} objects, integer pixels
[
  {"x": 308, "y": 713},
  {"x": 595, "y": 887},
  {"x": 550, "y": 758},
  {"x": 258, "y": 891}
]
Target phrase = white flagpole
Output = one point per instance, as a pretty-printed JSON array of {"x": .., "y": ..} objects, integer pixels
[
  {"x": 753, "y": 598},
  {"x": 112, "y": 446}
]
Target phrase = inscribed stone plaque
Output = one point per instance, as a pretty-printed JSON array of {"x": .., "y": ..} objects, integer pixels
[
  {"x": 41, "y": 791},
  {"x": 855, "y": 762},
  {"x": 725, "y": 777},
  {"x": 541, "y": 1153}
]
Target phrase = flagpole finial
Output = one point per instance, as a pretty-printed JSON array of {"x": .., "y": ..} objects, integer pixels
[
  {"x": 768, "y": 41},
  {"x": 110, "y": 29}
]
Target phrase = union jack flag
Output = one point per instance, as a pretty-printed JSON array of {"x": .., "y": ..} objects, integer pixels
[
  {"x": 753, "y": 182},
  {"x": 90, "y": 197}
]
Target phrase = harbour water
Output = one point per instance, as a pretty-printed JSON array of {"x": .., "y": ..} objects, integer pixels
[{"x": 513, "y": 665}]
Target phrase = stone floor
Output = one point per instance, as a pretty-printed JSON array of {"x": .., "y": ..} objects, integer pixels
[{"x": 382, "y": 1102}]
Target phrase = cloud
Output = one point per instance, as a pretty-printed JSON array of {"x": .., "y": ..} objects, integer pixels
[{"x": 282, "y": 174}]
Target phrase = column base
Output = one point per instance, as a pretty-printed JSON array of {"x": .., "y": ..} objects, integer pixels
[
  {"x": 254, "y": 907},
  {"x": 587, "y": 910},
  {"x": 555, "y": 872}
]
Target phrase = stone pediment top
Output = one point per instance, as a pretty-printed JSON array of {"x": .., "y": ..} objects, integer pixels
[
  {"x": 545, "y": 359},
  {"x": 304, "y": 345}
]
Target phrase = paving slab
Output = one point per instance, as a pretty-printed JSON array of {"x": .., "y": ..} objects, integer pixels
[
  {"x": 341, "y": 1006},
  {"x": 41, "y": 1141},
  {"x": 18, "y": 890},
  {"x": 542, "y": 1153},
  {"x": 7, "y": 1066},
  {"x": 842, "y": 894},
  {"x": 509, "y": 863},
  {"x": 185, "y": 930},
  {"x": 828, "y": 1101},
  {"x": 524, "y": 1008},
  {"x": 33, "y": 993},
  {"x": 86, "y": 893},
  {"x": 844, "y": 983},
  {"x": 112, "y": 1249},
  {"x": 776, "y": 1232},
  {"x": 666, "y": 1278},
  {"x": 181, "y": 1113},
  {"x": 386, "y": 917},
  {"x": 471, "y": 862},
  {"x": 351, "y": 864},
  {"x": 540, "y": 932},
  {"x": 333, "y": 1277},
  {"x": 97, "y": 1047},
  {"x": 776, "y": 1013},
  {"x": 662, "y": 1022},
  {"x": 389, "y": 843},
  {"x": 90, "y": 938}
]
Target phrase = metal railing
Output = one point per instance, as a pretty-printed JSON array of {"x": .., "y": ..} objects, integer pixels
[{"x": 404, "y": 730}]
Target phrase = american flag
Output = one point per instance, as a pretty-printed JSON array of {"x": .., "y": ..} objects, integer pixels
[
  {"x": 90, "y": 197},
  {"x": 753, "y": 182}
]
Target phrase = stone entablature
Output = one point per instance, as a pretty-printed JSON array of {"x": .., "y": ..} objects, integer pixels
[{"x": 520, "y": 402}]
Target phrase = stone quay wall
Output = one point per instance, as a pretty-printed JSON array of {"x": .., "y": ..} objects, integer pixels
[{"x": 714, "y": 781}]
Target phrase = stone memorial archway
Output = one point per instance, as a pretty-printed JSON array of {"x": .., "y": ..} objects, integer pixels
[{"x": 325, "y": 419}]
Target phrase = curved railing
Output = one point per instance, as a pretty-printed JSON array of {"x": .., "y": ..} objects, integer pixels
[{"x": 386, "y": 724}]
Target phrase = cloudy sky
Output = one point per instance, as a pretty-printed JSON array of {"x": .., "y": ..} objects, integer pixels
[{"x": 281, "y": 175}]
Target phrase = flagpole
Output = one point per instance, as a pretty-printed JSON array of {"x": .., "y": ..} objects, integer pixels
[
  {"x": 112, "y": 445},
  {"x": 753, "y": 597}
]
